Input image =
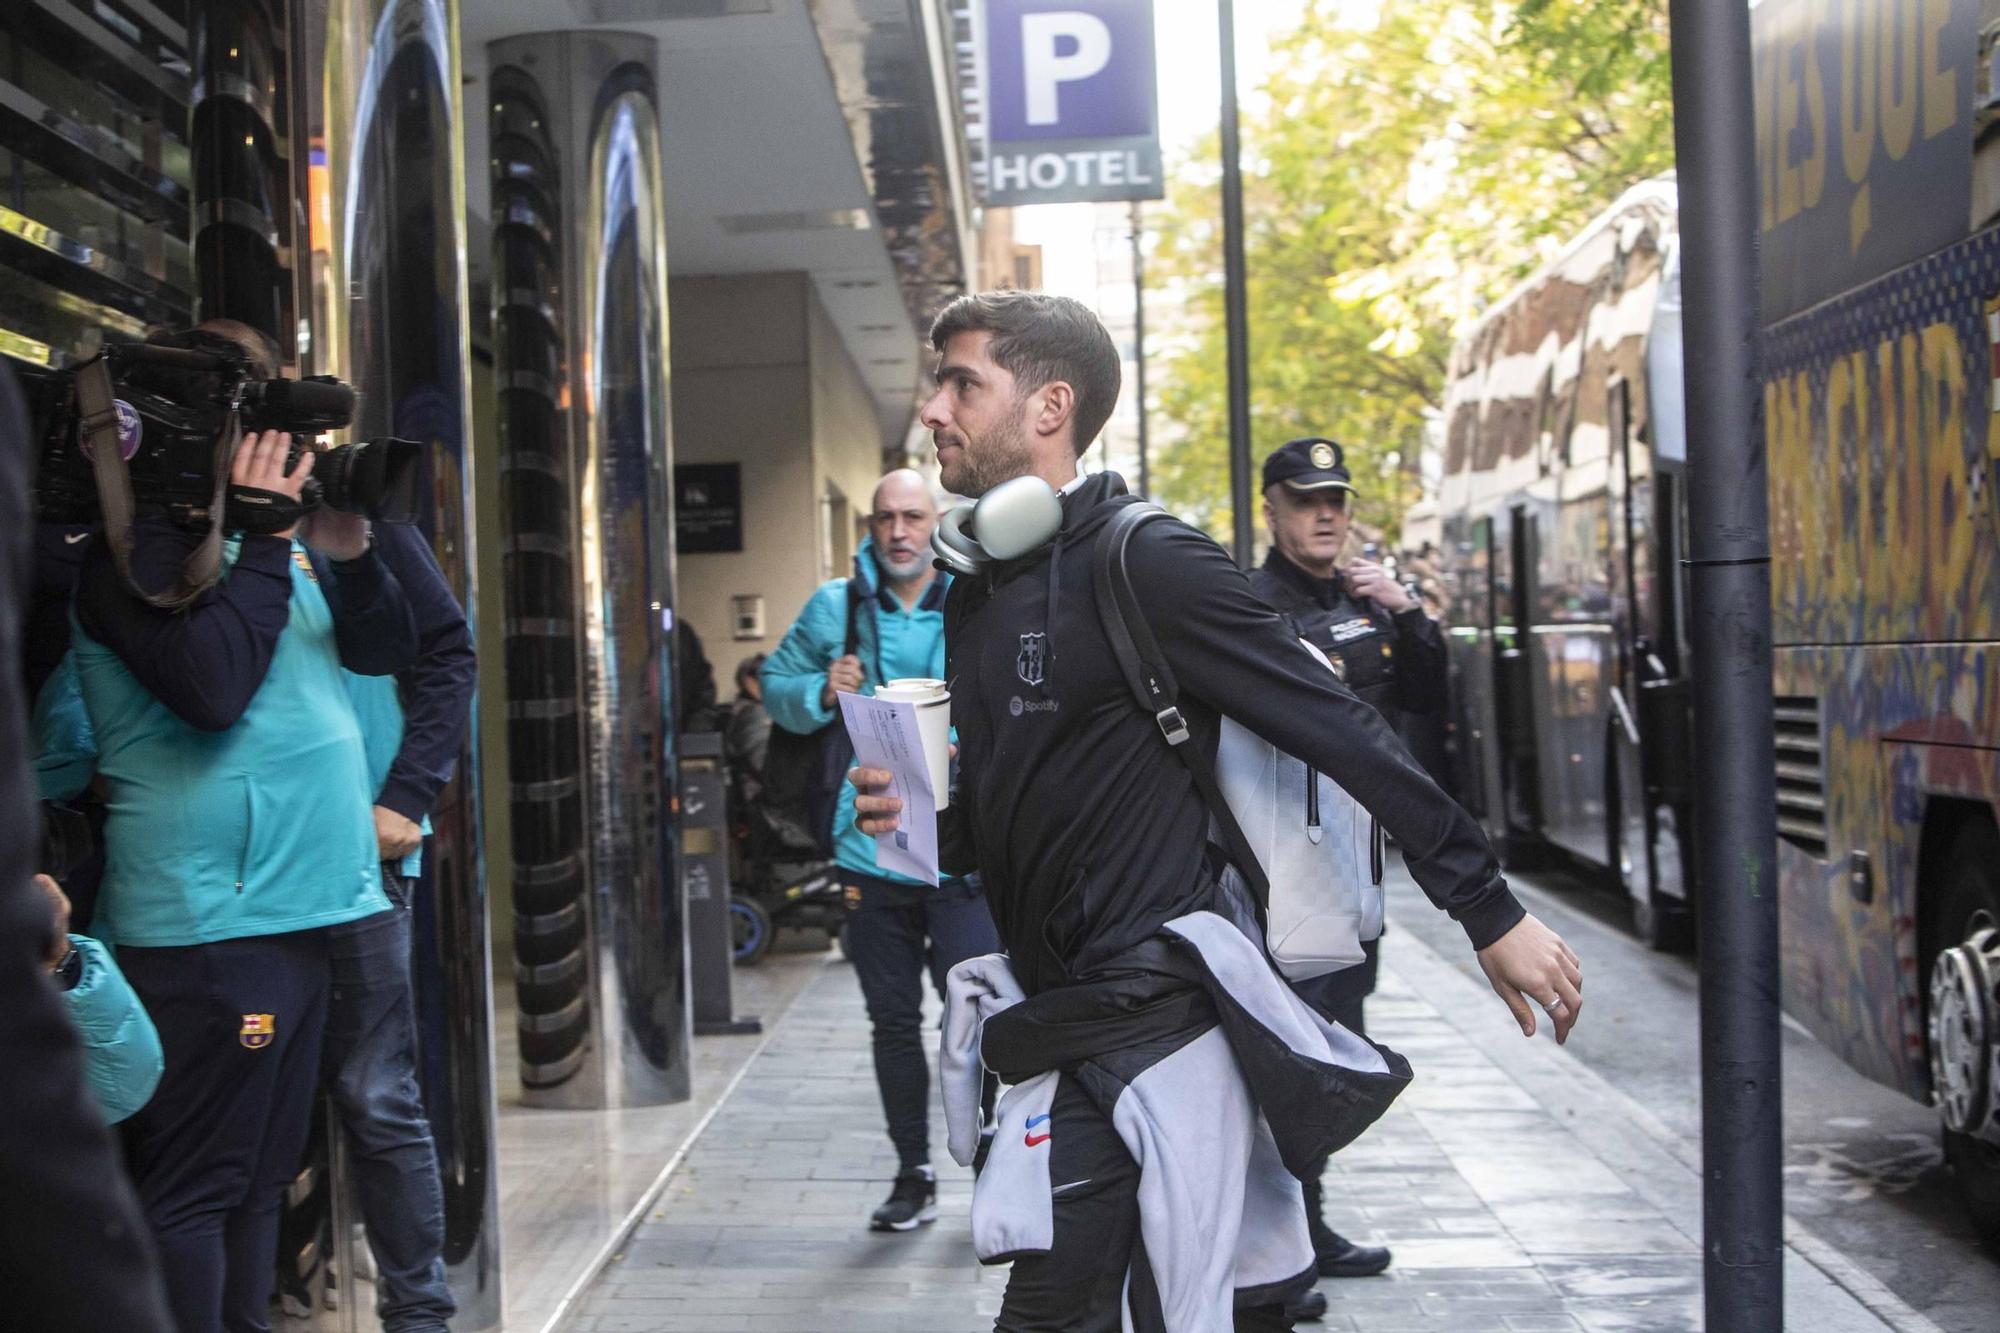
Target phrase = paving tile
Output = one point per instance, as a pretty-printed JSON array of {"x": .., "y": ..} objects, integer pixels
[{"x": 1500, "y": 1217}]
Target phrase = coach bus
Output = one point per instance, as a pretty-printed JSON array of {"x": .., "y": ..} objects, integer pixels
[{"x": 1878, "y": 148}]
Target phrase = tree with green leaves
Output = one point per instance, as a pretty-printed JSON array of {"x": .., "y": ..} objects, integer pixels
[{"x": 1404, "y": 169}]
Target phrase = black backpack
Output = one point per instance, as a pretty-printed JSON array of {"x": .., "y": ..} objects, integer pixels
[{"x": 802, "y": 773}]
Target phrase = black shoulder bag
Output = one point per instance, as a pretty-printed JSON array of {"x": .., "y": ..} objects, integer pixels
[{"x": 803, "y": 773}]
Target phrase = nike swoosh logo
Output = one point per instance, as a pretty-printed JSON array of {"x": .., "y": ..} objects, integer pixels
[
  {"x": 72, "y": 538},
  {"x": 1036, "y": 1140},
  {"x": 1074, "y": 1184}
]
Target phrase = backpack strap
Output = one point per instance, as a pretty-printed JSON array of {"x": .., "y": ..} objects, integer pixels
[
  {"x": 853, "y": 640},
  {"x": 1153, "y": 685},
  {"x": 857, "y": 597},
  {"x": 1145, "y": 667}
]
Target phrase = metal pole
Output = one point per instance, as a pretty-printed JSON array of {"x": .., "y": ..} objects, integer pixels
[
  {"x": 1729, "y": 577},
  {"x": 1139, "y": 338},
  {"x": 1234, "y": 293}
]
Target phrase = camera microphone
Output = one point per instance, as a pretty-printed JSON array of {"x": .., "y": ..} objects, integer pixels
[{"x": 303, "y": 407}]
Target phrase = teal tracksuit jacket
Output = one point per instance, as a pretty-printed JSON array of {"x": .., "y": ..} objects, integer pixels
[
  {"x": 262, "y": 829},
  {"x": 892, "y": 643},
  {"x": 379, "y": 709}
]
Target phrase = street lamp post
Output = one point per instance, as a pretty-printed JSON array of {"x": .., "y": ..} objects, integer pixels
[
  {"x": 1139, "y": 338},
  {"x": 1729, "y": 578},
  {"x": 1235, "y": 293}
]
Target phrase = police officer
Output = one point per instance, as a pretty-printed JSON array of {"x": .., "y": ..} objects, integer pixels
[{"x": 1392, "y": 654}]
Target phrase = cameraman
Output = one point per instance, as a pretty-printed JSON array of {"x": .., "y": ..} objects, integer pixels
[{"x": 239, "y": 829}]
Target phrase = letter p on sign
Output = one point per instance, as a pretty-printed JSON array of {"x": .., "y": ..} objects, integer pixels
[{"x": 1058, "y": 48}]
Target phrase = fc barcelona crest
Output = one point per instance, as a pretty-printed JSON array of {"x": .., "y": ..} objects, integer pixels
[
  {"x": 258, "y": 1030},
  {"x": 1028, "y": 666}
]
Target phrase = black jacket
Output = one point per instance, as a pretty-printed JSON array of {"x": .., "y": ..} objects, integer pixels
[
  {"x": 1394, "y": 661},
  {"x": 438, "y": 688},
  {"x": 74, "y": 1250},
  {"x": 1087, "y": 827}
]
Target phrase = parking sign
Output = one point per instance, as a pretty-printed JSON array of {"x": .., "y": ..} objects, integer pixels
[{"x": 1072, "y": 112}]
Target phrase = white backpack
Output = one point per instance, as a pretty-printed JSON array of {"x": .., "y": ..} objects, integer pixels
[
  {"x": 1312, "y": 856},
  {"x": 1321, "y": 853}
]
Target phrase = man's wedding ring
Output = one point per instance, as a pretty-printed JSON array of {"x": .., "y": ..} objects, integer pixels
[{"x": 1553, "y": 1005}]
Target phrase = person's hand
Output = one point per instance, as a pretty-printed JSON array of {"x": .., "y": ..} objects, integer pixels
[
  {"x": 873, "y": 813},
  {"x": 59, "y": 907},
  {"x": 338, "y": 535},
  {"x": 1530, "y": 967},
  {"x": 260, "y": 465},
  {"x": 843, "y": 677},
  {"x": 1367, "y": 579},
  {"x": 395, "y": 836}
]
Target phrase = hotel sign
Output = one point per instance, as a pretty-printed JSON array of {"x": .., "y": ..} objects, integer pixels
[{"x": 1073, "y": 114}]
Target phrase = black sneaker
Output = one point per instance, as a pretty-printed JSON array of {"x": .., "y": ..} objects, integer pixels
[
  {"x": 911, "y": 1201},
  {"x": 1341, "y": 1257},
  {"x": 1308, "y": 1307}
]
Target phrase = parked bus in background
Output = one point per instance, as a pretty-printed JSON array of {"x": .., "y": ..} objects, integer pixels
[{"x": 1878, "y": 146}]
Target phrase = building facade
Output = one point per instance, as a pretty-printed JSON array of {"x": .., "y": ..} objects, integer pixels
[{"x": 606, "y": 261}]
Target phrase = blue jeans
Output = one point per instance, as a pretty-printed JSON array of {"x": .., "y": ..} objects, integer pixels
[
  {"x": 371, "y": 1070},
  {"x": 895, "y": 933}
]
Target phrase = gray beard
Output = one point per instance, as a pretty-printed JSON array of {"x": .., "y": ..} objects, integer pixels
[{"x": 904, "y": 572}]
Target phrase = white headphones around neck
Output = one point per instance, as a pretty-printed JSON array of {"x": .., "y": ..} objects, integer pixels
[{"x": 1006, "y": 523}]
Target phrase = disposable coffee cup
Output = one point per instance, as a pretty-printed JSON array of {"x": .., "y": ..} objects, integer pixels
[{"x": 932, "y": 702}]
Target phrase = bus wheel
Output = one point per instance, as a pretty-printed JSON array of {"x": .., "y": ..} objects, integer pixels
[{"x": 1963, "y": 1026}]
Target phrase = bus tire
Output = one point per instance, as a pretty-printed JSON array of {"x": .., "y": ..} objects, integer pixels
[{"x": 1968, "y": 896}]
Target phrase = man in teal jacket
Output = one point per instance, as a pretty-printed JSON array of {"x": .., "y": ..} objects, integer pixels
[{"x": 895, "y": 926}]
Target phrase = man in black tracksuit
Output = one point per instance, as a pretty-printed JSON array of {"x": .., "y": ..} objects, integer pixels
[
  {"x": 1088, "y": 828},
  {"x": 1387, "y": 650}
]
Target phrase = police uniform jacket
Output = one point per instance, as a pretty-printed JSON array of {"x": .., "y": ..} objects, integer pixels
[{"x": 1394, "y": 661}]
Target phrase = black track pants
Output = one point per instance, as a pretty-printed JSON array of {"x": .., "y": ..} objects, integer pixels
[{"x": 1077, "y": 1287}]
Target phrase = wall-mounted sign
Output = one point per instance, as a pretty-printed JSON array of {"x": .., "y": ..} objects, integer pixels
[
  {"x": 708, "y": 507},
  {"x": 746, "y": 616},
  {"x": 1074, "y": 107}
]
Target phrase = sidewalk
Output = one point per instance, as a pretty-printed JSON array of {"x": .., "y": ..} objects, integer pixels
[{"x": 1518, "y": 1191}]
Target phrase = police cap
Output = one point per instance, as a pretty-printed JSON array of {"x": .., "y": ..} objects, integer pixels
[{"x": 1310, "y": 464}]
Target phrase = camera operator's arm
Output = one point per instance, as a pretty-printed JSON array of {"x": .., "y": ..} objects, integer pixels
[
  {"x": 372, "y": 625},
  {"x": 437, "y": 690},
  {"x": 206, "y": 661}
]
